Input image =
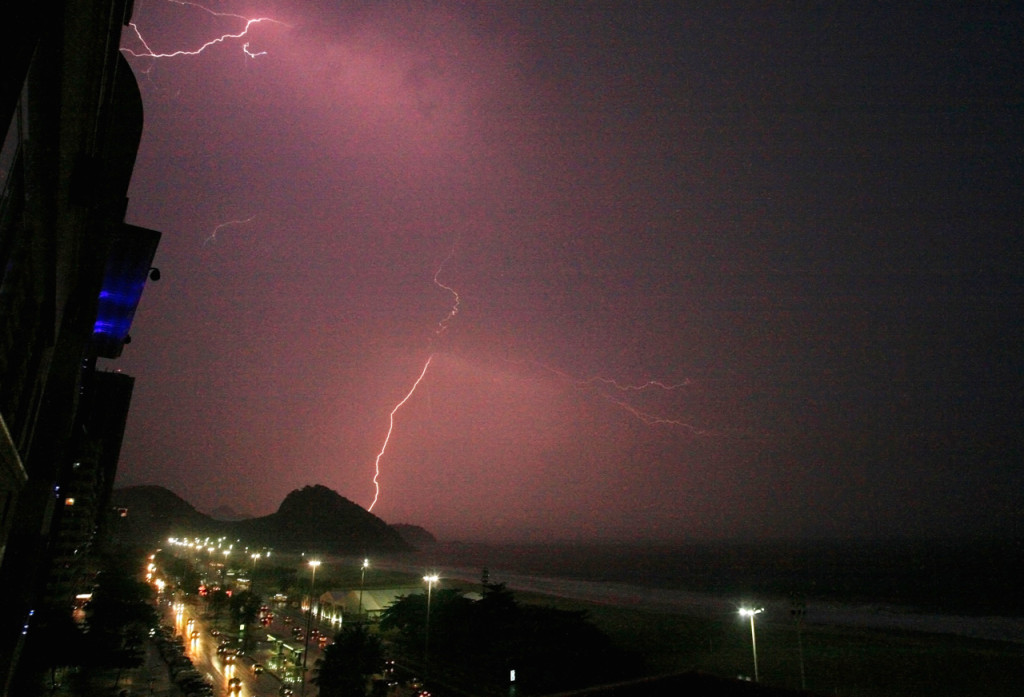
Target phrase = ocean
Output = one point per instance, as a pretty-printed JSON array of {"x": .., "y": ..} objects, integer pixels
[{"x": 968, "y": 588}]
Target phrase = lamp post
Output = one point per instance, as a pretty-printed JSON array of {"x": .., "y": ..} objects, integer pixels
[
  {"x": 746, "y": 612},
  {"x": 309, "y": 621},
  {"x": 252, "y": 583},
  {"x": 362, "y": 577},
  {"x": 430, "y": 579},
  {"x": 797, "y": 610}
]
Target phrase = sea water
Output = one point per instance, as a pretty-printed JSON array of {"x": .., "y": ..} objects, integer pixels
[{"x": 967, "y": 588}]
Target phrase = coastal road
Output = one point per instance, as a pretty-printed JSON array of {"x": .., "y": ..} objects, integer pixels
[{"x": 219, "y": 669}]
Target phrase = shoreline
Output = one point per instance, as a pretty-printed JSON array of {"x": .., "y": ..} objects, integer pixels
[
  {"x": 841, "y": 652},
  {"x": 840, "y": 649},
  {"x": 708, "y": 606}
]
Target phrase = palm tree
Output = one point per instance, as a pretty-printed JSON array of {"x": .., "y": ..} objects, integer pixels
[{"x": 348, "y": 663}]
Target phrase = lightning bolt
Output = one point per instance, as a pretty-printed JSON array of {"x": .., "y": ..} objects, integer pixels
[
  {"x": 249, "y": 23},
  {"x": 213, "y": 235},
  {"x": 644, "y": 417},
  {"x": 391, "y": 427},
  {"x": 441, "y": 327},
  {"x": 641, "y": 387},
  {"x": 443, "y": 324},
  {"x": 653, "y": 419},
  {"x": 251, "y": 54}
]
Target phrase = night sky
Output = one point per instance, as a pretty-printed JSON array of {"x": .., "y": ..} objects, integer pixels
[{"x": 684, "y": 270}]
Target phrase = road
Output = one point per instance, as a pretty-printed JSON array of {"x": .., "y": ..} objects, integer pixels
[
  {"x": 219, "y": 669},
  {"x": 202, "y": 651}
]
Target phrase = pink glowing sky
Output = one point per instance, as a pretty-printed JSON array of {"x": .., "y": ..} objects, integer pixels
[{"x": 806, "y": 222}]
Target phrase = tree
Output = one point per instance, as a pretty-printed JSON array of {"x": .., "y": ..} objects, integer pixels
[
  {"x": 347, "y": 664},
  {"x": 550, "y": 649},
  {"x": 245, "y": 609},
  {"x": 182, "y": 571},
  {"x": 407, "y": 615},
  {"x": 217, "y": 599},
  {"x": 54, "y": 642},
  {"x": 119, "y": 617},
  {"x": 286, "y": 578}
]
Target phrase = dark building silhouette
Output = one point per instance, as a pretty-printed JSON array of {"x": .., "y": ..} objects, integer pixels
[
  {"x": 71, "y": 276},
  {"x": 84, "y": 502}
]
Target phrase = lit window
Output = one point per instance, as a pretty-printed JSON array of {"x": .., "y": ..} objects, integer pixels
[{"x": 69, "y": 501}]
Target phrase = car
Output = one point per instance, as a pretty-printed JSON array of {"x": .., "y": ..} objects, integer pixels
[
  {"x": 257, "y": 668},
  {"x": 195, "y": 634},
  {"x": 285, "y": 691},
  {"x": 235, "y": 685}
]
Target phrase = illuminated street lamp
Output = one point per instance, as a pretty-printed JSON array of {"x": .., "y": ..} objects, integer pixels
[
  {"x": 309, "y": 621},
  {"x": 430, "y": 579},
  {"x": 362, "y": 577},
  {"x": 252, "y": 583},
  {"x": 746, "y": 612}
]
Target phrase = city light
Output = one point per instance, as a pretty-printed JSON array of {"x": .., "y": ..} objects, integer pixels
[
  {"x": 313, "y": 564},
  {"x": 747, "y": 612},
  {"x": 430, "y": 580}
]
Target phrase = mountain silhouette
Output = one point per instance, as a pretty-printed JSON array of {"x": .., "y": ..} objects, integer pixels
[
  {"x": 312, "y": 519},
  {"x": 415, "y": 535},
  {"x": 317, "y": 519}
]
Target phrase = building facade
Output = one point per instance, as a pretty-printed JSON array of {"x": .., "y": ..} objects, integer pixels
[{"x": 71, "y": 275}]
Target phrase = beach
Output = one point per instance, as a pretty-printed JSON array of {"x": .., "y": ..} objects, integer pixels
[{"x": 831, "y": 646}]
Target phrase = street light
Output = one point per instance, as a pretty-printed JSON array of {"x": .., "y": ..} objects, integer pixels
[
  {"x": 746, "y": 612},
  {"x": 313, "y": 563},
  {"x": 362, "y": 577},
  {"x": 431, "y": 579},
  {"x": 252, "y": 583}
]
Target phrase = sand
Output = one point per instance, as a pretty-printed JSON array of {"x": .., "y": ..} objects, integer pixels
[{"x": 862, "y": 651}]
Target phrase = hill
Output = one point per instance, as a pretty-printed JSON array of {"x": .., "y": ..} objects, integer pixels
[
  {"x": 415, "y": 535},
  {"x": 153, "y": 513},
  {"x": 317, "y": 519},
  {"x": 311, "y": 519}
]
